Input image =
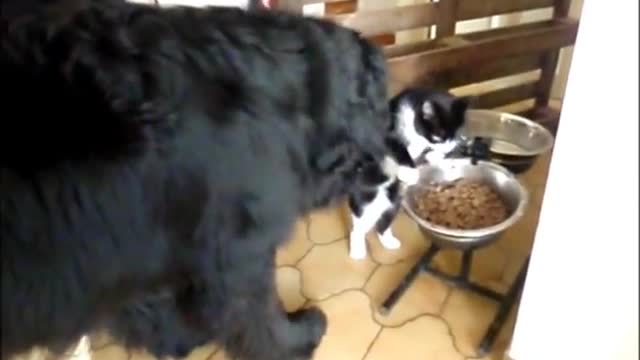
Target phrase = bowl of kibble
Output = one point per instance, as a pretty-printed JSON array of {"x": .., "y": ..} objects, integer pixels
[
  {"x": 461, "y": 204},
  {"x": 513, "y": 141}
]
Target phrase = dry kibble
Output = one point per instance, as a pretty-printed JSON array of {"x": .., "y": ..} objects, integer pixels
[{"x": 461, "y": 204}]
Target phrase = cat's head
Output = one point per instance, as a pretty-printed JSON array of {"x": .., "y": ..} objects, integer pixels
[{"x": 437, "y": 116}]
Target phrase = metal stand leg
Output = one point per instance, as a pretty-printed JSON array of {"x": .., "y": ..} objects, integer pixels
[
  {"x": 397, "y": 293},
  {"x": 461, "y": 280},
  {"x": 503, "y": 311},
  {"x": 465, "y": 270}
]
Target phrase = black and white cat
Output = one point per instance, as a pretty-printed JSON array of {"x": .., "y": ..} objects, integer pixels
[{"x": 423, "y": 126}]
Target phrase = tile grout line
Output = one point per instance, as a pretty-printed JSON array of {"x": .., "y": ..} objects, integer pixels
[
  {"x": 373, "y": 341},
  {"x": 330, "y": 242},
  {"x": 445, "y": 302},
  {"x": 366, "y": 282},
  {"x": 378, "y": 266},
  {"x": 300, "y": 289},
  {"x": 213, "y": 353},
  {"x": 415, "y": 318}
]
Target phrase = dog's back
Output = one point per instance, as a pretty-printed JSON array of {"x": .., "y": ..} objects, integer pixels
[{"x": 147, "y": 141}]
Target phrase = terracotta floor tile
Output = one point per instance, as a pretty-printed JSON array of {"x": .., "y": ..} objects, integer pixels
[
  {"x": 413, "y": 242},
  {"x": 329, "y": 225},
  {"x": 351, "y": 328},
  {"x": 503, "y": 341},
  {"x": 35, "y": 354},
  {"x": 385, "y": 278},
  {"x": 421, "y": 339},
  {"x": 141, "y": 355},
  {"x": 488, "y": 265},
  {"x": 513, "y": 267},
  {"x": 469, "y": 316},
  {"x": 201, "y": 353},
  {"x": 289, "y": 283},
  {"x": 111, "y": 352},
  {"x": 100, "y": 340},
  {"x": 425, "y": 296},
  {"x": 519, "y": 238},
  {"x": 219, "y": 355},
  {"x": 328, "y": 269},
  {"x": 297, "y": 246},
  {"x": 448, "y": 261}
]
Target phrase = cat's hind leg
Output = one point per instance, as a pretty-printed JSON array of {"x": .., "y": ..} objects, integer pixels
[
  {"x": 358, "y": 237},
  {"x": 365, "y": 211},
  {"x": 383, "y": 227}
]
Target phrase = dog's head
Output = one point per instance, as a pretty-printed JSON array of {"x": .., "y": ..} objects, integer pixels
[{"x": 355, "y": 114}]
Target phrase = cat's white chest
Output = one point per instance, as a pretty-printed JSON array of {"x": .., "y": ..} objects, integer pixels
[
  {"x": 407, "y": 130},
  {"x": 437, "y": 152}
]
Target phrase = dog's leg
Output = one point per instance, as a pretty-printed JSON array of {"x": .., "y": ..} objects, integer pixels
[
  {"x": 262, "y": 330},
  {"x": 156, "y": 325},
  {"x": 234, "y": 298}
]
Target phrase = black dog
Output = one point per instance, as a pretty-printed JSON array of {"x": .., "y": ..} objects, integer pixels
[{"x": 156, "y": 158}]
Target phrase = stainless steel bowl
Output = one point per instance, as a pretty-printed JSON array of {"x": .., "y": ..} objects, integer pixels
[
  {"x": 499, "y": 178},
  {"x": 515, "y": 142}
]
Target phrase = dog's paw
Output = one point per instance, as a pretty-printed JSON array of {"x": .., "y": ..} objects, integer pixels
[
  {"x": 180, "y": 348},
  {"x": 313, "y": 326}
]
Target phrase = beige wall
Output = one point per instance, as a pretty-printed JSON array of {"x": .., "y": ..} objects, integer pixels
[{"x": 580, "y": 300}]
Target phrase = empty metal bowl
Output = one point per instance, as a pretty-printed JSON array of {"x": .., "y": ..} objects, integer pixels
[
  {"x": 514, "y": 141},
  {"x": 497, "y": 177}
]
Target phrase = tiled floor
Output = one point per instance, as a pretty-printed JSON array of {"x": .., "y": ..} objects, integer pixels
[{"x": 433, "y": 321}]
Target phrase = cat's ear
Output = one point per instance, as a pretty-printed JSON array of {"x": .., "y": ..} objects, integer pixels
[
  {"x": 427, "y": 109},
  {"x": 461, "y": 104}
]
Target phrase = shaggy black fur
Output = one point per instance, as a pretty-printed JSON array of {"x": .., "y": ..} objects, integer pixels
[{"x": 156, "y": 158}]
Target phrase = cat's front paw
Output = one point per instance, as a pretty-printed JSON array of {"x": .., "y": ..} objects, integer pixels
[
  {"x": 409, "y": 176},
  {"x": 434, "y": 157},
  {"x": 389, "y": 241},
  {"x": 358, "y": 253},
  {"x": 357, "y": 247}
]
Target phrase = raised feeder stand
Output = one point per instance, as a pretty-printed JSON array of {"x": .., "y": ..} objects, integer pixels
[
  {"x": 480, "y": 158},
  {"x": 505, "y": 300},
  {"x": 467, "y": 241}
]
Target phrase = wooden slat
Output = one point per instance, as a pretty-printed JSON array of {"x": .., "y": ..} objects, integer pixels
[
  {"x": 471, "y": 9},
  {"x": 485, "y": 71},
  {"x": 549, "y": 61},
  {"x": 306, "y": 2},
  {"x": 375, "y": 22},
  {"x": 507, "y": 31},
  {"x": 384, "y": 39},
  {"x": 294, "y": 6},
  {"x": 505, "y": 96},
  {"x": 407, "y": 70},
  {"x": 446, "y": 22},
  {"x": 341, "y": 7},
  {"x": 414, "y": 47}
]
